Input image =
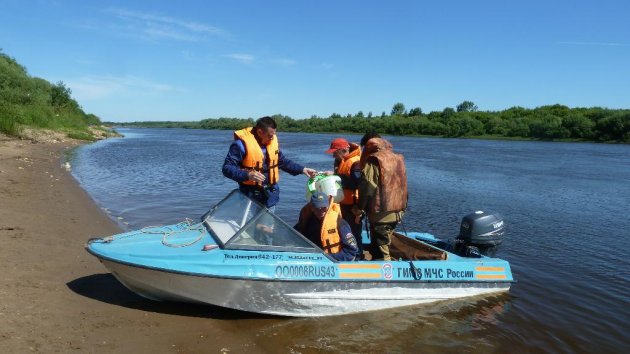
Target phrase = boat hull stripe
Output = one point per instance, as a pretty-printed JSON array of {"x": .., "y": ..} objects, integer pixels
[
  {"x": 360, "y": 266},
  {"x": 490, "y": 276},
  {"x": 490, "y": 269},
  {"x": 360, "y": 275}
]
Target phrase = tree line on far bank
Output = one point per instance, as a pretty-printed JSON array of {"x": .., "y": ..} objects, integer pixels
[
  {"x": 554, "y": 122},
  {"x": 27, "y": 101}
]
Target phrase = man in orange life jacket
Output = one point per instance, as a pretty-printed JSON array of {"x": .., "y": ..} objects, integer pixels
[
  {"x": 348, "y": 167},
  {"x": 321, "y": 223},
  {"x": 382, "y": 192},
  {"x": 254, "y": 160}
]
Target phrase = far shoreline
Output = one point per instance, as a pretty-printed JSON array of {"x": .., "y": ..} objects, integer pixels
[{"x": 477, "y": 137}]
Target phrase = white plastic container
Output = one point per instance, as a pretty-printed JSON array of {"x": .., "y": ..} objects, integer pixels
[{"x": 329, "y": 185}]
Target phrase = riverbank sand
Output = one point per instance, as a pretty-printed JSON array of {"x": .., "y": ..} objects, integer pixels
[{"x": 54, "y": 296}]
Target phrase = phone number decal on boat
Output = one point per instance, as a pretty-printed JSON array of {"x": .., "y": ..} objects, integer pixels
[
  {"x": 252, "y": 256},
  {"x": 305, "y": 271}
]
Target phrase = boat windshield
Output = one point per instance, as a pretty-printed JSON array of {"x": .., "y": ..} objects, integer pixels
[{"x": 238, "y": 222}]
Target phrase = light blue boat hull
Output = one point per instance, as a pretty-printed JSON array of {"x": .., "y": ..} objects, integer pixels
[{"x": 286, "y": 283}]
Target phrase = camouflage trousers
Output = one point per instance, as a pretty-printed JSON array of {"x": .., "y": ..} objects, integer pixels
[{"x": 380, "y": 239}]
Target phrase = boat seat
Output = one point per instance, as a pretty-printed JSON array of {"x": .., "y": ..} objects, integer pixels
[{"x": 408, "y": 249}]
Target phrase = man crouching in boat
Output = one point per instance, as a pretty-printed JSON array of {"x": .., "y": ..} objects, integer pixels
[{"x": 320, "y": 221}]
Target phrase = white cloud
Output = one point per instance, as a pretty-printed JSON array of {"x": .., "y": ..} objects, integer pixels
[
  {"x": 243, "y": 58},
  {"x": 154, "y": 27},
  {"x": 91, "y": 88},
  {"x": 603, "y": 44},
  {"x": 285, "y": 62}
]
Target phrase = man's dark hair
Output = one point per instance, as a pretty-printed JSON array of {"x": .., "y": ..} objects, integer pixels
[
  {"x": 265, "y": 122},
  {"x": 368, "y": 136}
]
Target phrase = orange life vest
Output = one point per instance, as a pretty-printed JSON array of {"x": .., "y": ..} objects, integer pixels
[
  {"x": 254, "y": 157},
  {"x": 331, "y": 242},
  {"x": 350, "y": 196}
]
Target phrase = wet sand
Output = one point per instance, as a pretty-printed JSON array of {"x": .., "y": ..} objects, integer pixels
[{"x": 55, "y": 297}]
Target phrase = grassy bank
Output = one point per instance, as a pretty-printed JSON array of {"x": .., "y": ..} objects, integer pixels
[{"x": 31, "y": 106}]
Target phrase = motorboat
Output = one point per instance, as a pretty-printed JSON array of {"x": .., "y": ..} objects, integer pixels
[{"x": 240, "y": 255}]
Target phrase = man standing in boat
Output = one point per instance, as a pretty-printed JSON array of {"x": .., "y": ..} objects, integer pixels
[
  {"x": 348, "y": 167},
  {"x": 382, "y": 192},
  {"x": 321, "y": 223},
  {"x": 254, "y": 160}
]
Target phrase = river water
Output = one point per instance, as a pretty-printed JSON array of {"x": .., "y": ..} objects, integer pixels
[{"x": 565, "y": 206}]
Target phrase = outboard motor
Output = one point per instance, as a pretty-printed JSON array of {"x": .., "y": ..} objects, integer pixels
[{"x": 480, "y": 233}]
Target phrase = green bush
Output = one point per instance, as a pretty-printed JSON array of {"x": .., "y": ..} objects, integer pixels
[
  {"x": 81, "y": 135},
  {"x": 34, "y": 102}
]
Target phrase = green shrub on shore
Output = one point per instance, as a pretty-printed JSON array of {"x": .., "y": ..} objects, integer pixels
[
  {"x": 33, "y": 102},
  {"x": 79, "y": 135}
]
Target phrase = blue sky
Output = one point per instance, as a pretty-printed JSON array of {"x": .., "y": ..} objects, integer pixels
[{"x": 191, "y": 60}]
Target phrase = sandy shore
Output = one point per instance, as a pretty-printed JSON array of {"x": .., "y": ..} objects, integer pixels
[{"x": 54, "y": 296}]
